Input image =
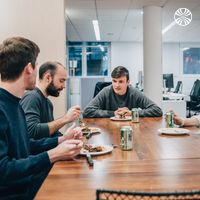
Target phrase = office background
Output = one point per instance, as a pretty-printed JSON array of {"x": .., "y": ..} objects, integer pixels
[{"x": 45, "y": 23}]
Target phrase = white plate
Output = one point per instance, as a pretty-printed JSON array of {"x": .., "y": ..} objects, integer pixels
[
  {"x": 121, "y": 119},
  {"x": 173, "y": 131},
  {"x": 106, "y": 149}
]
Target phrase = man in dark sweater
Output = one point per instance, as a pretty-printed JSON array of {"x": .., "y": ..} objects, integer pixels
[
  {"x": 24, "y": 163},
  {"x": 39, "y": 109},
  {"x": 119, "y": 98}
]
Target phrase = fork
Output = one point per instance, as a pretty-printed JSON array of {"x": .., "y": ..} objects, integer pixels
[{"x": 80, "y": 121}]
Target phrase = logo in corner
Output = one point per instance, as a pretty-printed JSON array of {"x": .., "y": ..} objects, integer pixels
[{"x": 183, "y": 16}]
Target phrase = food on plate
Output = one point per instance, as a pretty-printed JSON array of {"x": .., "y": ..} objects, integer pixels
[
  {"x": 92, "y": 148},
  {"x": 122, "y": 117},
  {"x": 85, "y": 129},
  {"x": 90, "y": 129}
]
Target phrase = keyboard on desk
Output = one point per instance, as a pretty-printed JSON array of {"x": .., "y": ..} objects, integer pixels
[
  {"x": 173, "y": 96},
  {"x": 166, "y": 98}
]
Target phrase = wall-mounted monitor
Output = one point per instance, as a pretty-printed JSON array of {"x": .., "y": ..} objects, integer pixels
[{"x": 168, "y": 81}]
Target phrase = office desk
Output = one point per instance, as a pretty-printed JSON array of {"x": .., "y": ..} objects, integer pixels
[
  {"x": 156, "y": 163},
  {"x": 176, "y": 102},
  {"x": 174, "y": 96},
  {"x": 178, "y": 106}
]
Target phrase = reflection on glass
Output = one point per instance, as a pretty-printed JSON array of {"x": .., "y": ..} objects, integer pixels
[
  {"x": 75, "y": 60},
  {"x": 92, "y": 58},
  {"x": 97, "y": 61},
  {"x": 191, "y": 61}
]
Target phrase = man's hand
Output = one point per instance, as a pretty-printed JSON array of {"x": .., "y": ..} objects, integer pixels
[
  {"x": 65, "y": 151},
  {"x": 72, "y": 114},
  {"x": 177, "y": 120},
  {"x": 73, "y": 132},
  {"x": 122, "y": 112}
]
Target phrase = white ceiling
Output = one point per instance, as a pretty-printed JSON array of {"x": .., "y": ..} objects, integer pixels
[{"x": 121, "y": 20}]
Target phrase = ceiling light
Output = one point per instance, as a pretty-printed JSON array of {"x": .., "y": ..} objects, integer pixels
[
  {"x": 167, "y": 28},
  {"x": 96, "y": 29}
]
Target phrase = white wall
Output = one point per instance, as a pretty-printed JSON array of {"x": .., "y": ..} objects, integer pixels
[
  {"x": 130, "y": 55},
  {"x": 43, "y": 22}
]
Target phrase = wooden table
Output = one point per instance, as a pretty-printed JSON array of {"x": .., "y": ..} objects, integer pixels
[{"x": 156, "y": 163}]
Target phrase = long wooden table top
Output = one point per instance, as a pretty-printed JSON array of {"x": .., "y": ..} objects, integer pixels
[{"x": 156, "y": 163}]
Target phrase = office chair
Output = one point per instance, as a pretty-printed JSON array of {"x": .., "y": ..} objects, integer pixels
[
  {"x": 126, "y": 195},
  {"x": 99, "y": 86},
  {"x": 179, "y": 87},
  {"x": 194, "y": 103}
]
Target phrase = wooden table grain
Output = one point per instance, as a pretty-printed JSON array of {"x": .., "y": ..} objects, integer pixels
[{"x": 156, "y": 163}]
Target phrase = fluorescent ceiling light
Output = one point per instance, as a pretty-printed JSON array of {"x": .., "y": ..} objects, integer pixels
[
  {"x": 96, "y": 29},
  {"x": 167, "y": 28}
]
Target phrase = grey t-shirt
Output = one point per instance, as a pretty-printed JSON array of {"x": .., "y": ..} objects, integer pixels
[
  {"x": 107, "y": 101},
  {"x": 38, "y": 112}
]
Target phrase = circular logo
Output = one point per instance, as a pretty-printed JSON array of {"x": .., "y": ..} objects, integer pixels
[{"x": 183, "y": 16}]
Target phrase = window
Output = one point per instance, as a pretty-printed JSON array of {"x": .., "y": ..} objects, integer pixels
[
  {"x": 93, "y": 58},
  {"x": 191, "y": 61},
  {"x": 97, "y": 61},
  {"x": 75, "y": 53}
]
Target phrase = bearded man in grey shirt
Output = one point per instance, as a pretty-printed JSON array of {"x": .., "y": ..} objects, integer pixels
[
  {"x": 119, "y": 98},
  {"x": 38, "y": 108}
]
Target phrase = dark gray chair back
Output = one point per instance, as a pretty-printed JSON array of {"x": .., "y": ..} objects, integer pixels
[
  {"x": 126, "y": 195},
  {"x": 99, "y": 86}
]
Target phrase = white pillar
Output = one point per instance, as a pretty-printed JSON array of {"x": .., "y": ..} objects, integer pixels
[
  {"x": 152, "y": 40},
  {"x": 42, "y": 21}
]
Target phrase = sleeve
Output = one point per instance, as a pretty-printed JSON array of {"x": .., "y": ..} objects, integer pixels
[
  {"x": 32, "y": 108},
  {"x": 96, "y": 107},
  {"x": 147, "y": 107},
  {"x": 197, "y": 117},
  {"x": 41, "y": 145},
  {"x": 13, "y": 169}
]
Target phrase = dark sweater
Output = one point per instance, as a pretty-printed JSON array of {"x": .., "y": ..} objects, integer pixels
[
  {"x": 38, "y": 112},
  {"x": 21, "y": 158},
  {"x": 107, "y": 101}
]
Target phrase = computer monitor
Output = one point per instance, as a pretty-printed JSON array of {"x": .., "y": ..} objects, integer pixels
[
  {"x": 168, "y": 79},
  {"x": 179, "y": 87}
]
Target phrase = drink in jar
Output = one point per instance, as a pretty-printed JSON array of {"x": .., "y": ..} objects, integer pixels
[
  {"x": 135, "y": 115},
  {"x": 169, "y": 117},
  {"x": 126, "y": 136}
]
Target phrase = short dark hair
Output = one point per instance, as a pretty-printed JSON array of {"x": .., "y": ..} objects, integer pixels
[
  {"x": 15, "y": 54},
  {"x": 48, "y": 67},
  {"x": 120, "y": 71}
]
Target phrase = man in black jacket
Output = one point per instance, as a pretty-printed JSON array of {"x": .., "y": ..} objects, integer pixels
[{"x": 24, "y": 163}]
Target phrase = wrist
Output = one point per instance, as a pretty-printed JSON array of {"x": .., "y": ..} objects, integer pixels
[
  {"x": 65, "y": 120},
  {"x": 61, "y": 139},
  {"x": 53, "y": 157},
  {"x": 182, "y": 122}
]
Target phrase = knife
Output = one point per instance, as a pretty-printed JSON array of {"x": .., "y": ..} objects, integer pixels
[{"x": 89, "y": 159}]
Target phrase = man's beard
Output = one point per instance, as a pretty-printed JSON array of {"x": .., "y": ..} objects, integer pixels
[{"x": 52, "y": 90}]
